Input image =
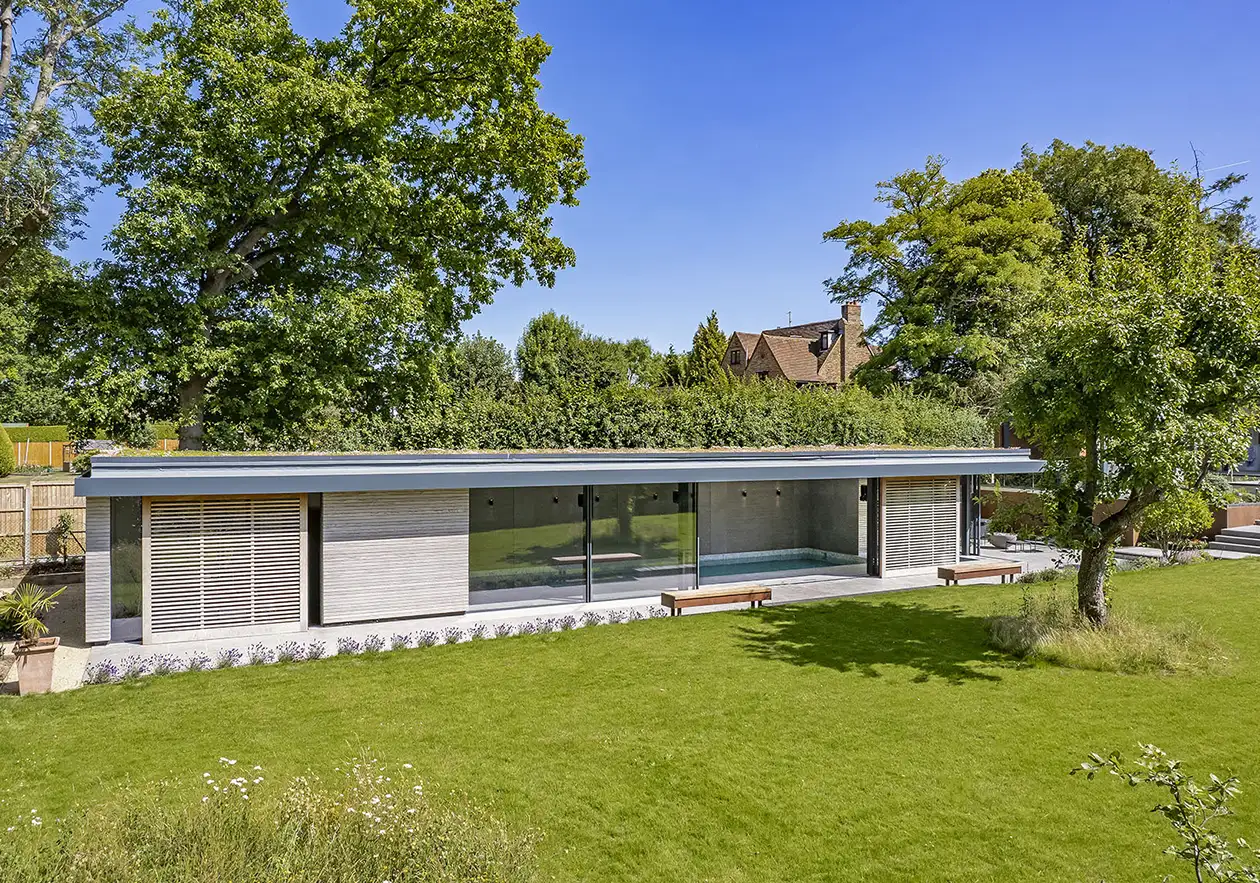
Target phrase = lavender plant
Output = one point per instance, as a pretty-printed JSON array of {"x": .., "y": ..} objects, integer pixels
[
  {"x": 503, "y": 630},
  {"x": 134, "y": 667},
  {"x": 427, "y": 639},
  {"x": 400, "y": 642},
  {"x": 260, "y": 655},
  {"x": 197, "y": 662},
  {"x": 290, "y": 651},
  {"x": 347, "y": 646},
  {"x": 101, "y": 673},
  {"x": 453, "y": 635},
  {"x": 478, "y": 632},
  {"x": 590, "y": 618},
  {"x": 316, "y": 650},
  {"x": 164, "y": 664},
  {"x": 228, "y": 657},
  {"x": 373, "y": 644},
  {"x": 566, "y": 623}
]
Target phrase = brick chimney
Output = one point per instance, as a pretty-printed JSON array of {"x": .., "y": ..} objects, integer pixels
[{"x": 854, "y": 340}]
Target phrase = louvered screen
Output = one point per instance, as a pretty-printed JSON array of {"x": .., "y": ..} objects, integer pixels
[
  {"x": 921, "y": 521},
  {"x": 224, "y": 564}
]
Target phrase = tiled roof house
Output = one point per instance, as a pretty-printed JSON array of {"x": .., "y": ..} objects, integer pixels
[{"x": 816, "y": 352}]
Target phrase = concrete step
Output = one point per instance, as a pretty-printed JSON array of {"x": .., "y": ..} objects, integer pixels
[
  {"x": 1249, "y": 531},
  {"x": 1229, "y": 546}
]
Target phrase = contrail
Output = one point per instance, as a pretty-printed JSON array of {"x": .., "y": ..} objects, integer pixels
[{"x": 1228, "y": 165}]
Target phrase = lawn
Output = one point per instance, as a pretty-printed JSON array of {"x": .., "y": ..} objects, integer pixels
[{"x": 861, "y": 739}]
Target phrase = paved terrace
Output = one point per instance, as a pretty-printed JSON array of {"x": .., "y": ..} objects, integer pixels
[{"x": 836, "y": 582}]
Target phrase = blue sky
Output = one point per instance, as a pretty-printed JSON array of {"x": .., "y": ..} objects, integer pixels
[{"x": 724, "y": 136}]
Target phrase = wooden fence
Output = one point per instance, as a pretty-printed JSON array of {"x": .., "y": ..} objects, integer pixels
[
  {"x": 57, "y": 453},
  {"x": 29, "y": 515}
]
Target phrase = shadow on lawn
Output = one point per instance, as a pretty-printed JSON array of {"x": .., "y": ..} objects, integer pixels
[{"x": 849, "y": 635}]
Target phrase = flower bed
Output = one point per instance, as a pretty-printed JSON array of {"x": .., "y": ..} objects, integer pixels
[{"x": 138, "y": 666}]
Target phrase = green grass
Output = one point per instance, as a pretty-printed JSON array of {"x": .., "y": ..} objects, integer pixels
[{"x": 863, "y": 739}]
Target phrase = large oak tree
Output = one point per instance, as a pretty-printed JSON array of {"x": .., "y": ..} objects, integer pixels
[{"x": 403, "y": 171}]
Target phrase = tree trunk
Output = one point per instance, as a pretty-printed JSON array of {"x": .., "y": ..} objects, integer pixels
[
  {"x": 192, "y": 398},
  {"x": 1091, "y": 582}
]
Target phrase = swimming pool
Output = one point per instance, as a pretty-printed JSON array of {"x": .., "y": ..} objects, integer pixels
[{"x": 765, "y": 565}]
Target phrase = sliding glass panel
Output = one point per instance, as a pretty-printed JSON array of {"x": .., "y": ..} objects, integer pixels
[
  {"x": 643, "y": 540},
  {"x": 526, "y": 546},
  {"x": 126, "y": 568}
]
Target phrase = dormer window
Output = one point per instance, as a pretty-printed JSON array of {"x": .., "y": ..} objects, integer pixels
[
  {"x": 826, "y": 340},
  {"x": 736, "y": 357}
]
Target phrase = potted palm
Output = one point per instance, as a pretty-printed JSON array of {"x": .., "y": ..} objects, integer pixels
[{"x": 24, "y": 610}]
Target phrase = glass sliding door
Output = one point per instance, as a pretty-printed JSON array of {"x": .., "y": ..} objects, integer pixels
[
  {"x": 526, "y": 546},
  {"x": 643, "y": 540},
  {"x": 126, "y": 568}
]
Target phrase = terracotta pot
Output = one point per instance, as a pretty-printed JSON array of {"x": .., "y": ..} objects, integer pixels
[{"x": 35, "y": 665}]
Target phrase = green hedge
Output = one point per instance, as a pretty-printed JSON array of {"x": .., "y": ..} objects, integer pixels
[
  {"x": 721, "y": 415},
  {"x": 38, "y": 433}
]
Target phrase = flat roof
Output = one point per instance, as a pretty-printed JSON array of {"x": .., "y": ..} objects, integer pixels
[{"x": 159, "y": 476}]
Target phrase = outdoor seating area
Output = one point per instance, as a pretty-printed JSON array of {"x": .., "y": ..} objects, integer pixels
[
  {"x": 1004, "y": 570},
  {"x": 676, "y": 602}
]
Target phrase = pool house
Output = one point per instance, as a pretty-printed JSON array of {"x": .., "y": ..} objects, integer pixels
[{"x": 200, "y": 547}]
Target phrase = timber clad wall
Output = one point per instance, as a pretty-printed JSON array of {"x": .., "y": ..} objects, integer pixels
[
  {"x": 394, "y": 554},
  {"x": 96, "y": 571}
]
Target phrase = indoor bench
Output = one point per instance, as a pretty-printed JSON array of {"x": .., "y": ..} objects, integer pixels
[
  {"x": 979, "y": 570},
  {"x": 676, "y": 601}
]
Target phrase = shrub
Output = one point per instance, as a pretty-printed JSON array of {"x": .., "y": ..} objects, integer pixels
[
  {"x": 316, "y": 650},
  {"x": 8, "y": 457},
  {"x": 1049, "y": 628},
  {"x": 503, "y": 630},
  {"x": 590, "y": 618},
  {"x": 1174, "y": 523},
  {"x": 373, "y": 644},
  {"x": 198, "y": 662},
  {"x": 453, "y": 635},
  {"x": 400, "y": 642},
  {"x": 427, "y": 639},
  {"x": 1023, "y": 515},
  {"x": 100, "y": 673},
  {"x": 290, "y": 651},
  {"x": 260, "y": 654},
  {"x": 375, "y": 824},
  {"x": 164, "y": 664},
  {"x": 347, "y": 646},
  {"x": 229, "y": 657}
]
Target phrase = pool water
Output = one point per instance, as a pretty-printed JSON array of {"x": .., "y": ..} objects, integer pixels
[{"x": 763, "y": 565}]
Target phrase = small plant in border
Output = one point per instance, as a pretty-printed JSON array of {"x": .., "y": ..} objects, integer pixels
[
  {"x": 373, "y": 644},
  {"x": 347, "y": 646},
  {"x": 164, "y": 664},
  {"x": 503, "y": 630},
  {"x": 198, "y": 662},
  {"x": 400, "y": 642},
  {"x": 590, "y": 618},
  {"x": 316, "y": 650},
  {"x": 260, "y": 655},
  {"x": 228, "y": 657},
  {"x": 134, "y": 667},
  {"x": 427, "y": 639},
  {"x": 453, "y": 635},
  {"x": 478, "y": 632},
  {"x": 101, "y": 673},
  {"x": 290, "y": 651}
]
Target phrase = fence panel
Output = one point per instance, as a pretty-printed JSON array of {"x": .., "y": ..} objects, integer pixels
[
  {"x": 48, "y": 502},
  {"x": 12, "y": 523},
  {"x": 38, "y": 453}
]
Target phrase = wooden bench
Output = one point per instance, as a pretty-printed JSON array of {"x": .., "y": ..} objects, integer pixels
[
  {"x": 598, "y": 559},
  {"x": 979, "y": 570},
  {"x": 677, "y": 601}
]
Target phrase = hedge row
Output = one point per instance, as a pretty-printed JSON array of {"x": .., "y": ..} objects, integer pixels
[
  {"x": 735, "y": 415},
  {"x": 38, "y": 433}
]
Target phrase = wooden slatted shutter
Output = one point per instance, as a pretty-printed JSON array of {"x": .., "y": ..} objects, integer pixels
[
  {"x": 223, "y": 566},
  {"x": 921, "y": 521}
]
